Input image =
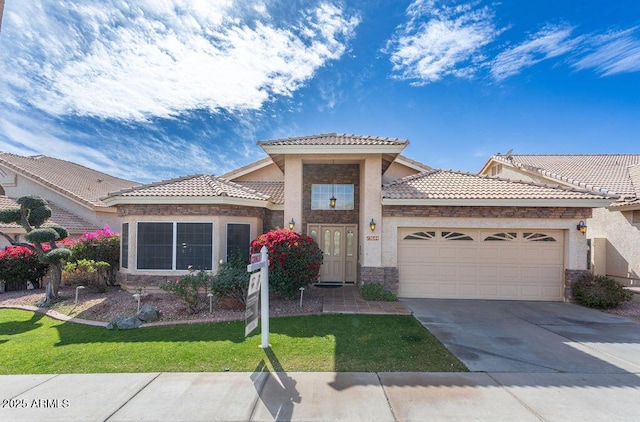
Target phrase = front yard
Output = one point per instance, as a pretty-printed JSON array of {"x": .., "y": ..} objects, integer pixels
[{"x": 32, "y": 343}]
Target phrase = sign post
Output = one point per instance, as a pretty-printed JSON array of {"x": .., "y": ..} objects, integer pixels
[{"x": 261, "y": 262}]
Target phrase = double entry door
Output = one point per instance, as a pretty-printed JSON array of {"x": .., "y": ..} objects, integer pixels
[{"x": 339, "y": 244}]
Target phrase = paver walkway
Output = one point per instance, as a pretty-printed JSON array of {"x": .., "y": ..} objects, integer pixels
[{"x": 348, "y": 300}]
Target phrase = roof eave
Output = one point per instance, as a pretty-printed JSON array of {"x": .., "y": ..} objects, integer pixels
[
  {"x": 332, "y": 149},
  {"x": 571, "y": 203},
  {"x": 187, "y": 200}
]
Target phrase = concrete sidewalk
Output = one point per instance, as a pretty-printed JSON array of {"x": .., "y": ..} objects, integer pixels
[{"x": 264, "y": 396}]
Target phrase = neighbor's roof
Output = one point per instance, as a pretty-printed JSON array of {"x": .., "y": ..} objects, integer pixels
[
  {"x": 334, "y": 139},
  {"x": 194, "y": 186},
  {"x": 455, "y": 185},
  {"x": 62, "y": 217},
  {"x": 80, "y": 183},
  {"x": 607, "y": 173}
]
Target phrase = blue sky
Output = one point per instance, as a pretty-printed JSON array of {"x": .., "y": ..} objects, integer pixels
[{"x": 154, "y": 89}]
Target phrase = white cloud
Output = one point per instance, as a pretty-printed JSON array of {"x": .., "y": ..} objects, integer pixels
[
  {"x": 551, "y": 41},
  {"x": 612, "y": 53},
  {"x": 439, "y": 41},
  {"x": 133, "y": 61}
]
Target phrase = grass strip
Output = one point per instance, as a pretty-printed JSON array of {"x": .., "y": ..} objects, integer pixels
[{"x": 31, "y": 343}]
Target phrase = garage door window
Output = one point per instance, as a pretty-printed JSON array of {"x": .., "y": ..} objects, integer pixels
[
  {"x": 420, "y": 236},
  {"x": 538, "y": 237},
  {"x": 501, "y": 237},
  {"x": 456, "y": 236}
]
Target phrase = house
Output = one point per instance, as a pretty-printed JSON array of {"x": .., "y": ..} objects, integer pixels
[
  {"x": 378, "y": 217},
  {"x": 73, "y": 192},
  {"x": 613, "y": 230}
]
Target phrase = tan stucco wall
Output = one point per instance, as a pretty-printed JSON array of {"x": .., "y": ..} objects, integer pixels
[
  {"x": 293, "y": 191},
  {"x": 397, "y": 171},
  {"x": 371, "y": 208},
  {"x": 219, "y": 237},
  {"x": 575, "y": 242},
  {"x": 622, "y": 242},
  {"x": 270, "y": 173}
]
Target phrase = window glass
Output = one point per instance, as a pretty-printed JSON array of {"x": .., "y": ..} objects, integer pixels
[
  {"x": 194, "y": 246},
  {"x": 327, "y": 242},
  {"x": 238, "y": 241},
  {"x": 155, "y": 246},
  {"x": 350, "y": 247},
  {"x": 321, "y": 195},
  {"x": 124, "y": 248},
  {"x": 336, "y": 243}
]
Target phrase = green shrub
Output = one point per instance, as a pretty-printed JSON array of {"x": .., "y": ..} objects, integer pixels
[
  {"x": 294, "y": 260},
  {"x": 188, "y": 288},
  {"x": 598, "y": 291},
  {"x": 375, "y": 291},
  {"x": 231, "y": 280},
  {"x": 86, "y": 271}
]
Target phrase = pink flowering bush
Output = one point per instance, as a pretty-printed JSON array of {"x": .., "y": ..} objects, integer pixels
[
  {"x": 188, "y": 288},
  {"x": 294, "y": 260},
  {"x": 19, "y": 265},
  {"x": 100, "y": 246}
]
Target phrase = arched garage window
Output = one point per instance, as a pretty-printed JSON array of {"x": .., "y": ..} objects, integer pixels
[
  {"x": 501, "y": 237},
  {"x": 538, "y": 237},
  {"x": 420, "y": 236}
]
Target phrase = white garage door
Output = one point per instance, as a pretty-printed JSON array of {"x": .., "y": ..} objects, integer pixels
[{"x": 481, "y": 264}]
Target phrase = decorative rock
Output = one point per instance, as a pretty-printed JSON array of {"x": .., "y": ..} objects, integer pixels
[
  {"x": 124, "y": 323},
  {"x": 148, "y": 313}
]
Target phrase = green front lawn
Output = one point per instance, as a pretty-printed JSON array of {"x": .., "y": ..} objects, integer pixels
[{"x": 31, "y": 343}]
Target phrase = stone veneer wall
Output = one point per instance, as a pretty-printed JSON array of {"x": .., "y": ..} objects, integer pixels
[
  {"x": 485, "y": 212},
  {"x": 387, "y": 276},
  {"x": 273, "y": 220},
  {"x": 570, "y": 277},
  {"x": 328, "y": 174},
  {"x": 190, "y": 209}
]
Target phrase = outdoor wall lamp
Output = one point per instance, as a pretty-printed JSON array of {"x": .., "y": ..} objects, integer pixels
[
  {"x": 332, "y": 201},
  {"x": 292, "y": 224},
  {"x": 582, "y": 228},
  {"x": 372, "y": 225}
]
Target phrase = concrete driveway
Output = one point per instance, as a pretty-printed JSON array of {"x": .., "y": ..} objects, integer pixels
[{"x": 533, "y": 337}]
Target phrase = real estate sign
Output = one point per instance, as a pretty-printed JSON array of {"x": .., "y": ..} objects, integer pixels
[{"x": 253, "y": 295}]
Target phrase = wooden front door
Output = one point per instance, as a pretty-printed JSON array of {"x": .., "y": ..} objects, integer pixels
[{"x": 339, "y": 247}]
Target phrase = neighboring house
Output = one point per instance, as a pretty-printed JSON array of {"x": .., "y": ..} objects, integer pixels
[
  {"x": 377, "y": 216},
  {"x": 73, "y": 192},
  {"x": 614, "y": 229}
]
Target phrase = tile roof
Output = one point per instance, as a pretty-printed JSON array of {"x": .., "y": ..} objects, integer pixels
[
  {"x": 608, "y": 173},
  {"x": 72, "y": 180},
  {"x": 334, "y": 139},
  {"x": 60, "y": 216},
  {"x": 449, "y": 184},
  {"x": 198, "y": 185},
  {"x": 274, "y": 190}
]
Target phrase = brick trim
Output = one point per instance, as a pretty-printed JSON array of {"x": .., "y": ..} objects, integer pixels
[{"x": 486, "y": 212}]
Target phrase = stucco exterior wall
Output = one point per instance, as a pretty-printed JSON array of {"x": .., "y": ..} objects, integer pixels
[
  {"x": 371, "y": 208},
  {"x": 293, "y": 191},
  {"x": 397, "y": 171},
  {"x": 622, "y": 243},
  {"x": 270, "y": 173}
]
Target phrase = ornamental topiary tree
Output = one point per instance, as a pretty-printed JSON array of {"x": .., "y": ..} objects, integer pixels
[
  {"x": 32, "y": 214},
  {"x": 294, "y": 260}
]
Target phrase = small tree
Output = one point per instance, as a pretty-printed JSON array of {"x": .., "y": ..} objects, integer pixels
[
  {"x": 294, "y": 260},
  {"x": 32, "y": 214}
]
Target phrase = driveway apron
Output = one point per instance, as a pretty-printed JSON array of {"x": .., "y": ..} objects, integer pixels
[{"x": 534, "y": 337}]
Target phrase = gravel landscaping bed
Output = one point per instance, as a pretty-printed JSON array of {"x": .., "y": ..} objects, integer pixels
[{"x": 117, "y": 302}]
